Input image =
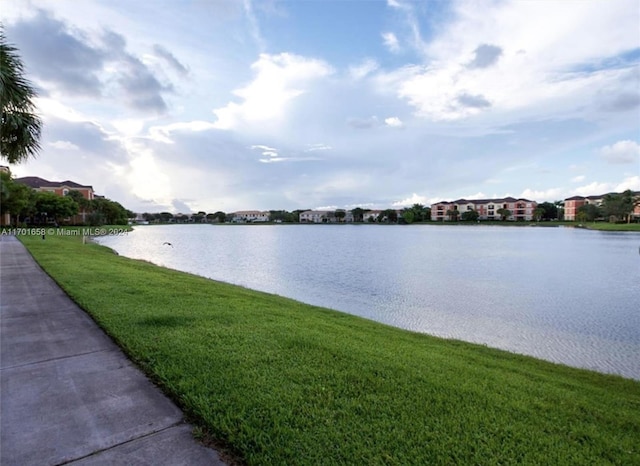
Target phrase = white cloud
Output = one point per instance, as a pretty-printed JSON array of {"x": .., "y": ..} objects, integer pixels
[
  {"x": 276, "y": 159},
  {"x": 391, "y": 42},
  {"x": 163, "y": 133},
  {"x": 551, "y": 194},
  {"x": 394, "y": 4},
  {"x": 394, "y": 122},
  {"x": 363, "y": 69},
  {"x": 632, "y": 183},
  {"x": 268, "y": 152},
  {"x": 539, "y": 76},
  {"x": 478, "y": 195},
  {"x": 261, "y": 147},
  {"x": 63, "y": 145},
  {"x": 279, "y": 79},
  {"x": 409, "y": 201},
  {"x": 253, "y": 24},
  {"x": 621, "y": 152},
  {"x": 316, "y": 147},
  {"x": 578, "y": 179},
  {"x": 592, "y": 189}
]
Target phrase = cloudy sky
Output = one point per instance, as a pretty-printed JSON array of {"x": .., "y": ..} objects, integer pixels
[{"x": 188, "y": 105}]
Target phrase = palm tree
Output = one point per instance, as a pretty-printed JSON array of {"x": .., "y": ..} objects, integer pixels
[
  {"x": 503, "y": 213},
  {"x": 453, "y": 214},
  {"x": 20, "y": 127}
]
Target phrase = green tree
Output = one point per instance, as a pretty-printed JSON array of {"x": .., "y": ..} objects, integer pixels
[
  {"x": 20, "y": 127},
  {"x": 77, "y": 196},
  {"x": 165, "y": 217},
  {"x": 221, "y": 216},
  {"x": 408, "y": 215},
  {"x": 106, "y": 211},
  {"x": 420, "y": 213},
  {"x": 619, "y": 206},
  {"x": 538, "y": 213},
  {"x": 549, "y": 210},
  {"x": 357, "y": 214},
  {"x": 504, "y": 213},
  {"x": 453, "y": 214},
  {"x": 470, "y": 216},
  {"x": 340, "y": 215},
  {"x": 84, "y": 204},
  {"x": 197, "y": 217},
  {"x": 588, "y": 213},
  {"x": 388, "y": 216},
  {"x": 50, "y": 206},
  {"x": 16, "y": 199},
  {"x": 560, "y": 206}
]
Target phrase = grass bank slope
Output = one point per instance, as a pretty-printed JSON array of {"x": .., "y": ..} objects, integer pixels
[{"x": 275, "y": 381}]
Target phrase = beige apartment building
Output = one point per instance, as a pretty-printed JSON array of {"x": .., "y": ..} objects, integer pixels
[{"x": 521, "y": 209}]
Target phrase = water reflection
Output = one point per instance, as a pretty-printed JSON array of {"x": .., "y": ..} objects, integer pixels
[{"x": 562, "y": 294}]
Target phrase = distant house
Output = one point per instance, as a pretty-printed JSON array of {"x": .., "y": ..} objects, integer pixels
[
  {"x": 317, "y": 216},
  {"x": 250, "y": 216},
  {"x": 61, "y": 188},
  {"x": 521, "y": 209},
  {"x": 371, "y": 215}
]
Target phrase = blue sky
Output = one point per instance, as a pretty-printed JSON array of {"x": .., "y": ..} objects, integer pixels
[{"x": 234, "y": 105}]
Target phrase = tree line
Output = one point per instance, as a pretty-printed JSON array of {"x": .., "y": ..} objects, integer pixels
[
  {"x": 416, "y": 213},
  {"x": 31, "y": 207}
]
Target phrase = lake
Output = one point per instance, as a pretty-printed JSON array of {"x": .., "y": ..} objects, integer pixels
[{"x": 562, "y": 294}]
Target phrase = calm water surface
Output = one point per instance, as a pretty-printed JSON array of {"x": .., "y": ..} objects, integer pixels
[{"x": 562, "y": 294}]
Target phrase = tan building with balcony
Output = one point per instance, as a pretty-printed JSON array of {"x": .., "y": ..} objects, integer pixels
[{"x": 521, "y": 209}]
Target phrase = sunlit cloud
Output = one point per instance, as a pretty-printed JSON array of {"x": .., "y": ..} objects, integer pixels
[
  {"x": 279, "y": 79},
  {"x": 411, "y": 200},
  {"x": 394, "y": 122},
  {"x": 622, "y": 152}
]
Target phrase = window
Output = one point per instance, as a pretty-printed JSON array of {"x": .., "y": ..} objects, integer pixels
[{"x": 65, "y": 192}]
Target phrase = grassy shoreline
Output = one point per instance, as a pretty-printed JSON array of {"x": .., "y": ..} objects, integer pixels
[{"x": 275, "y": 381}]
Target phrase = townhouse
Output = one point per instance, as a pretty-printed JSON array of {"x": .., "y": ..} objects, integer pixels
[
  {"x": 521, "y": 209},
  {"x": 326, "y": 216},
  {"x": 250, "y": 216}
]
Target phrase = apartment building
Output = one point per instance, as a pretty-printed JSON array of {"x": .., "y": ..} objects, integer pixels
[
  {"x": 521, "y": 209},
  {"x": 61, "y": 188},
  {"x": 572, "y": 204}
]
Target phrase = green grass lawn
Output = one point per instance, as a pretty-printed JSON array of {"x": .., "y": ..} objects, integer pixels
[
  {"x": 605, "y": 226},
  {"x": 274, "y": 381}
]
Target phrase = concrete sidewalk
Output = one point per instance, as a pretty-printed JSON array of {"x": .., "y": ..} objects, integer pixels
[{"x": 68, "y": 395}]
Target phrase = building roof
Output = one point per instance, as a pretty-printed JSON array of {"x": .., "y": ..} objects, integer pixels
[
  {"x": 592, "y": 198},
  {"x": 36, "y": 182},
  {"x": 484, "y": 201}
]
